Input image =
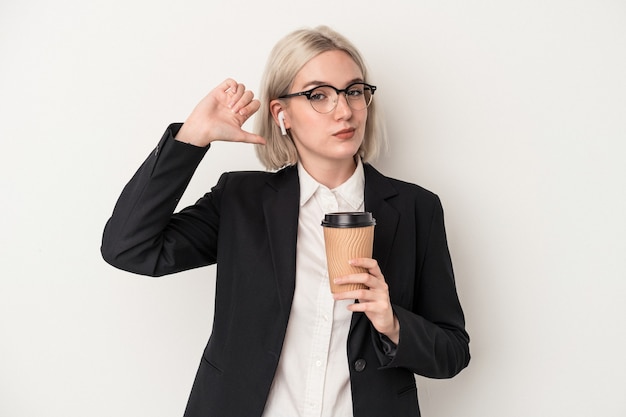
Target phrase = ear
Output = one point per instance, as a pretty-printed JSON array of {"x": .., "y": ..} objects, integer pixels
[{"x": 276, "y": 107}]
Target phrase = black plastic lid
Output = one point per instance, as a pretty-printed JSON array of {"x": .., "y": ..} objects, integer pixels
[{"x": 348, "y": 219}]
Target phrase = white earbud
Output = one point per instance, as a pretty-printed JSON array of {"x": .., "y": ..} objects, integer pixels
[{"x": 281, "y": 123}]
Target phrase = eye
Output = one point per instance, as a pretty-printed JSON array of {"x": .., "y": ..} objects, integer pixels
[
  {"x": 356, "y": 91},
  {"x": 319, "y": 94}
]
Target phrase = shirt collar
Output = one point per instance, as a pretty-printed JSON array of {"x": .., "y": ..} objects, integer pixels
[{"x": 352, "y": 191}]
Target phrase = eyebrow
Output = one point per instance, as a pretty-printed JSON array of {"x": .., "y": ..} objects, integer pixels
[{"x": 313, "y": 84}]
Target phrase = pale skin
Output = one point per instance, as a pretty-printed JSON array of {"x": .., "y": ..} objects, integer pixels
[{"x": 326, "y": 145}]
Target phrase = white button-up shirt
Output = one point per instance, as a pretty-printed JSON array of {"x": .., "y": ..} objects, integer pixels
[{"x": 313, "y": 378}]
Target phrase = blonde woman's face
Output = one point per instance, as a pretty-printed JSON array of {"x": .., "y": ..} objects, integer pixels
[{"x": 333, "y": 137}]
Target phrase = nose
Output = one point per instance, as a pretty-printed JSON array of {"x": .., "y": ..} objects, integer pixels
[{"x": 343, "y": 109}]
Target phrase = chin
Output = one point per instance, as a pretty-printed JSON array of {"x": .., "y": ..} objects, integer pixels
[{"x": 349, "y": 154}]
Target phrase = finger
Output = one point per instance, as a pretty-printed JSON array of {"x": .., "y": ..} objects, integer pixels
[
  {"x": 360, "y": 278},
  {"x": 228, "y": 86},
  {"x": 367, "y": 263},
  {"x": 235, "y": 94},
  {"x": 245, "y": 99},
  {"x": 370, "y": 264},
  {"x": 372, "y": 282},
  {"x": 250, "y": 109},
  {"x": 252, "y": 138},
  {"x": 361, "y": 294},
  {"x": 227, "y": 90},
  {"x": 235, "y": 134}
]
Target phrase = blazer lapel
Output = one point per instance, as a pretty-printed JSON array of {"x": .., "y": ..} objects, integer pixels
[
  {"x": 378, "y": 189},
  {"x": 280, "y": 200}
]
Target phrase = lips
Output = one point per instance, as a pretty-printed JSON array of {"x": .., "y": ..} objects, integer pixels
[{"x": 345, "y": 133}]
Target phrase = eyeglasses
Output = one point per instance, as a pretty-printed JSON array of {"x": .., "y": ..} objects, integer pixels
[{"x": 324, "y": 98}]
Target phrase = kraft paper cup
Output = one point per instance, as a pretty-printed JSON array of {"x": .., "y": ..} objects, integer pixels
[{"x": 347, "y": 236}]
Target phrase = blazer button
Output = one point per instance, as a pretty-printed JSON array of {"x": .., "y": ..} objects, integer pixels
[{"x": 359, "y": 365}]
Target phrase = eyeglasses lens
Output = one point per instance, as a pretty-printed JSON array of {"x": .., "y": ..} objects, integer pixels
[{"x": 324, "y": 99}]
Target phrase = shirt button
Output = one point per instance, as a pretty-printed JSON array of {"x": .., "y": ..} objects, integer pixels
[{"x": 359, "y": 365}]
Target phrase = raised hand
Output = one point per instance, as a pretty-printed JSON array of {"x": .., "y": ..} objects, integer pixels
[{"x": 220, "y": 116}]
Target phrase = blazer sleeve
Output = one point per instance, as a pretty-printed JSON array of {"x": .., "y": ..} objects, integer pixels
[
  {"x": 433, "y": 341},
  {"x": 143, "y": 235}
]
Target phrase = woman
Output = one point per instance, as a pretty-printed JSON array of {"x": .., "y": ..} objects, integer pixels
[{"x": 281, "y": 344}]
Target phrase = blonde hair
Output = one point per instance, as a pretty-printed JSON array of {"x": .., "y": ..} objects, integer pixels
[{"x": 286, "y": 59}]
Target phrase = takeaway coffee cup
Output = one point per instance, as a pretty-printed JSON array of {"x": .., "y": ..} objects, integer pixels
[{"x": 347, "y": 235}]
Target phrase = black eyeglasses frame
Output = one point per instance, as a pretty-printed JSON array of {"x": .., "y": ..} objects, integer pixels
[{"x": 308, "y": 93}]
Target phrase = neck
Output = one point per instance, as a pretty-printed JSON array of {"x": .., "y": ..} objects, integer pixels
[{"x": 332, "y": 175}]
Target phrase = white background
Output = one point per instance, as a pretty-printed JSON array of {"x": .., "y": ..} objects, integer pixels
[{"x": 514, "y": 112}]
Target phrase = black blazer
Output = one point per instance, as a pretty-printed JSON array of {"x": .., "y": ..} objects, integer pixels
[{"x": 248, "y": 225}]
